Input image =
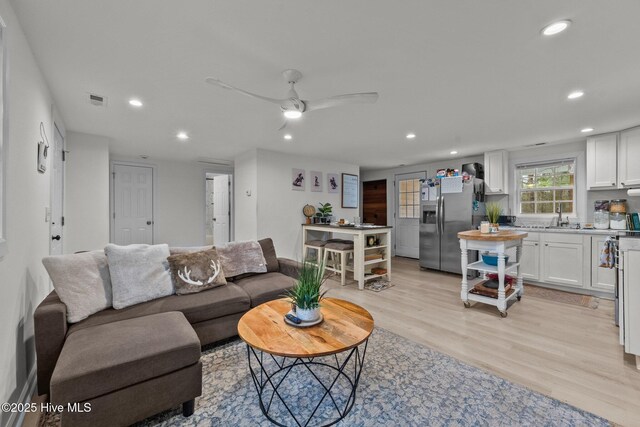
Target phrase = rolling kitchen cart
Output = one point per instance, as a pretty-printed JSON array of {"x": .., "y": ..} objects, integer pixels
[{"x": 498, "y": 243}]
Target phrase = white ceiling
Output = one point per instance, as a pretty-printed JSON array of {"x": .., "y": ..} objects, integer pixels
[{"x": 465, "y": 75}]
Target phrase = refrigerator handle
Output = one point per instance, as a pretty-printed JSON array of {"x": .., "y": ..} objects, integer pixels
[
  {"x": 438, "y": 215},
  {"x": 441, "y": 214}
]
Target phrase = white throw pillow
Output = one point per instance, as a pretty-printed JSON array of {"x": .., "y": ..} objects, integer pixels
[
  {"x": 81, "y": 281},
  {"x": 139, "y": 273}
]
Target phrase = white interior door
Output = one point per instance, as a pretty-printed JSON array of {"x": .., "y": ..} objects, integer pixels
[
  {"x": 407, "y": 215},
  {"x": 221, "y": 209},
  {"x": 56, "y": 153},
  {"x": 132, "y": 204}
]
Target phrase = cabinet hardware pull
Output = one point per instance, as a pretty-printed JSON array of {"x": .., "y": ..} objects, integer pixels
[
  {"x": 546, "y": 244},
  {"x": 622, "y": 183},
  {"x": 613, "y": 183}
]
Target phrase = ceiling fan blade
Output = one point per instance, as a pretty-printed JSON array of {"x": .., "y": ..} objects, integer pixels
[
  {"x": 336, "y": 101},
  {"x": 217, "y": 82}
]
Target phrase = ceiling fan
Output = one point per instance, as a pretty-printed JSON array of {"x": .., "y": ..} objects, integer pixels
[{"x": 292, "y": 106}]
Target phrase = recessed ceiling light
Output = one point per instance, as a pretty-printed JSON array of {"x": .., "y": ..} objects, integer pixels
[
  {"x": 287, "y": 137},
  {"x": 556, "y": 27},
  {"x": 135, "y": 102},
  {"x": 292, "y": 114},
  {"x": 585, "y": 130},
  {"x": 182, "y": 136},
  {"x": 411, "y": 135},
  {"x": 575, "y": 94},
  {"x": 454, "y": 152}
]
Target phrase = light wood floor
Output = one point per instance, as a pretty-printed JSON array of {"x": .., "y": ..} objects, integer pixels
[{"x": 567, "y": 352}]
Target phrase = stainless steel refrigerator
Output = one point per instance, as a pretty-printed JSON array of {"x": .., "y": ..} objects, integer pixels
[{"x": 441, "y": 220}]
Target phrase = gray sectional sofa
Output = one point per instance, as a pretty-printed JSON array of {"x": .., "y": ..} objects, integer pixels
[{"x": 134, "y": 362}]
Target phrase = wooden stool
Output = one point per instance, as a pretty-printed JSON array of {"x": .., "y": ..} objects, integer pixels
[
  {"x": 341, "y": 251},
  {"x": 314, "y": 245}
]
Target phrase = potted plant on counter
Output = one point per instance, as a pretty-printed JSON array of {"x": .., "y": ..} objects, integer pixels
[
  {"x": 324, "y": 212},
  {"x": 494, "y": 210},
  {"x": 307, "y": 293}
]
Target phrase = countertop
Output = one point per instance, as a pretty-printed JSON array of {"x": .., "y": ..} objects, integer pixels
[
  {"x": 337, "y": 227},
  {"x": 571, "y": 230}
]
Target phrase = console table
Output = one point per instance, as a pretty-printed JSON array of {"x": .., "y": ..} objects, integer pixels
[
  {"x": 361, "y": 267},
  {"x": 498, "y": 243}
]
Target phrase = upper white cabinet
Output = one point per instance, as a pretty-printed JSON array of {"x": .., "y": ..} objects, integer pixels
[
  {"x": 612, "y": 160},
  {"x": 628, "y": 156},
  {"x": 602, "y": 161},
  {"x": 496, "y": 172}
]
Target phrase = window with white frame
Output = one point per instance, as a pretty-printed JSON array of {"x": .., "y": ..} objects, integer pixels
[
  {"x": 3, "y": 114},
  {"x": 545, "y": 187},
  {"x": 409, "y": 193}
]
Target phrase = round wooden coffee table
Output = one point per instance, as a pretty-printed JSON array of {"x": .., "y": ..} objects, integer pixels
[{"x": 329, "y": 355}]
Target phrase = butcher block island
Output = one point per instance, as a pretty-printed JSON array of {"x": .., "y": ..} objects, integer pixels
[{"x": 485, "y": 289}]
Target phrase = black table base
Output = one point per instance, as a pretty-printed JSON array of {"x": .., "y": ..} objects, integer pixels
[{"x": 270, "y": 372}]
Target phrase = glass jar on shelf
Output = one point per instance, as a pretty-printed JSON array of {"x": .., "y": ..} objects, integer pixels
[
  {"x": 618, "y": 214},
  {"x": 601, "y": 214}
]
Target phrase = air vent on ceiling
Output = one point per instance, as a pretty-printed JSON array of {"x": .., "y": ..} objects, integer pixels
[
  {"x": 97, "y": 100},
  {"x": 214, "y": 162}
]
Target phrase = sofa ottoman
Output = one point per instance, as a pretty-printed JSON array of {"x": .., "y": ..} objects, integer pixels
[{"x": 128, "y": 370}]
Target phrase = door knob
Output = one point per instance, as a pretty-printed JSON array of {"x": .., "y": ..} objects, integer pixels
[
  {"x": 55, "y": 237},
  {"x": 148, "y": 222}
]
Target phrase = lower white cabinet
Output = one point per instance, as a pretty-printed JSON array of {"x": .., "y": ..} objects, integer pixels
[
  {"x": 563, "y": 263},
  {"x": 602, "y": 279},
  {"x": 530, "y": 260}
]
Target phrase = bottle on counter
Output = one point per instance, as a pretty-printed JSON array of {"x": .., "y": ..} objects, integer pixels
[
  {"x": 601, "y": 214},
  {"x": 618, "y": 214}
]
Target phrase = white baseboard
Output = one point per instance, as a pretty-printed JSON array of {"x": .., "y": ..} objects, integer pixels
[{"x": 16, "y": 419}]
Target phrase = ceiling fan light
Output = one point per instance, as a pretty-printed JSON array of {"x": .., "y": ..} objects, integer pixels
[{"x": 292, "y": 114}]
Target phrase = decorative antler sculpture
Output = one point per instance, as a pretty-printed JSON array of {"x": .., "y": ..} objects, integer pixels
[{"x": 186, "y": 277}]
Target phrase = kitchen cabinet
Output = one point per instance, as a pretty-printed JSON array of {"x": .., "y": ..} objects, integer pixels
[
  {"x": 496, "y": 172},
  {"x": 612, "y": 160},
  {"x": 628, "y": 155},
  {"x": 602, "y": 162},
  {"x": 563, "y": 259},
  {"x": 603, "y": 279},
  {"x": 530, "y": 259}
]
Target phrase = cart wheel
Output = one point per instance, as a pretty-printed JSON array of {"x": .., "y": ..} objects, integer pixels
[
  {"x": 503, "y": 314},
  {"x": 467, "y": 304},
  {"x": 519, "y": 297}
]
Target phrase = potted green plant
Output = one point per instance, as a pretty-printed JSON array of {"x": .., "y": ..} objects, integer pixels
[
  {"x": 307, "y": 293},
  {"x": 494, "y": 210},
  {"x": 324, "y": 212}
]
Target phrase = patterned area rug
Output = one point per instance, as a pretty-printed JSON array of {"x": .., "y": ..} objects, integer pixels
[
  {"x": 403, "y": 383},
  {"x": 561, "y": 296}
]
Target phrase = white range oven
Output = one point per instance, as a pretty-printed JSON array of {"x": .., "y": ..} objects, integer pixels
[{"x": 629, "y": 293}]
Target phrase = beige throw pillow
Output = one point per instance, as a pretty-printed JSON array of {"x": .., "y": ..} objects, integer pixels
[
  {"x": 139, "y": 273},
  {"x": 82, "y": 282},
  {"x": 196, "y": 271}
]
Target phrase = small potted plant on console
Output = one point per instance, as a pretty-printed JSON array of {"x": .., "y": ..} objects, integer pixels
[
  {"x": 493, "y": 214},
  {"x": 324, "y": 212}
]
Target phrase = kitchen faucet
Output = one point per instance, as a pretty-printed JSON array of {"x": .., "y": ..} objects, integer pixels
[{"x": 560, "y": 222}]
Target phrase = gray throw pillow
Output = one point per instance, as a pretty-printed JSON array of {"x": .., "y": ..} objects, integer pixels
[
  {"x": 139, "y": 273},
  {"x": 81, "y": 281}
]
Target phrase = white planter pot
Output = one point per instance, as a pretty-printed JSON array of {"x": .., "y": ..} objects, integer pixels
[{"x": 308, "y": 315}]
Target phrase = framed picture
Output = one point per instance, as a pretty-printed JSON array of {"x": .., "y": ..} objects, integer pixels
[
  {"x": 349, "y": 191},
  {"x": 333, "y": 183},
  {"x": 315, "y": 178},
  {"x": 297, "y": 179}
]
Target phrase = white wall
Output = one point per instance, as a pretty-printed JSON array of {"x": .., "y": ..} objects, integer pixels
[
  {"x": 23, "y": 280},
  {"x": 274, "y": 209},
  {"x": 179, "y": 205},
  {"x": 429, "y": 168},
  {"x": 86, "y": 192},
  {"x": 246, "y": 195}
]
